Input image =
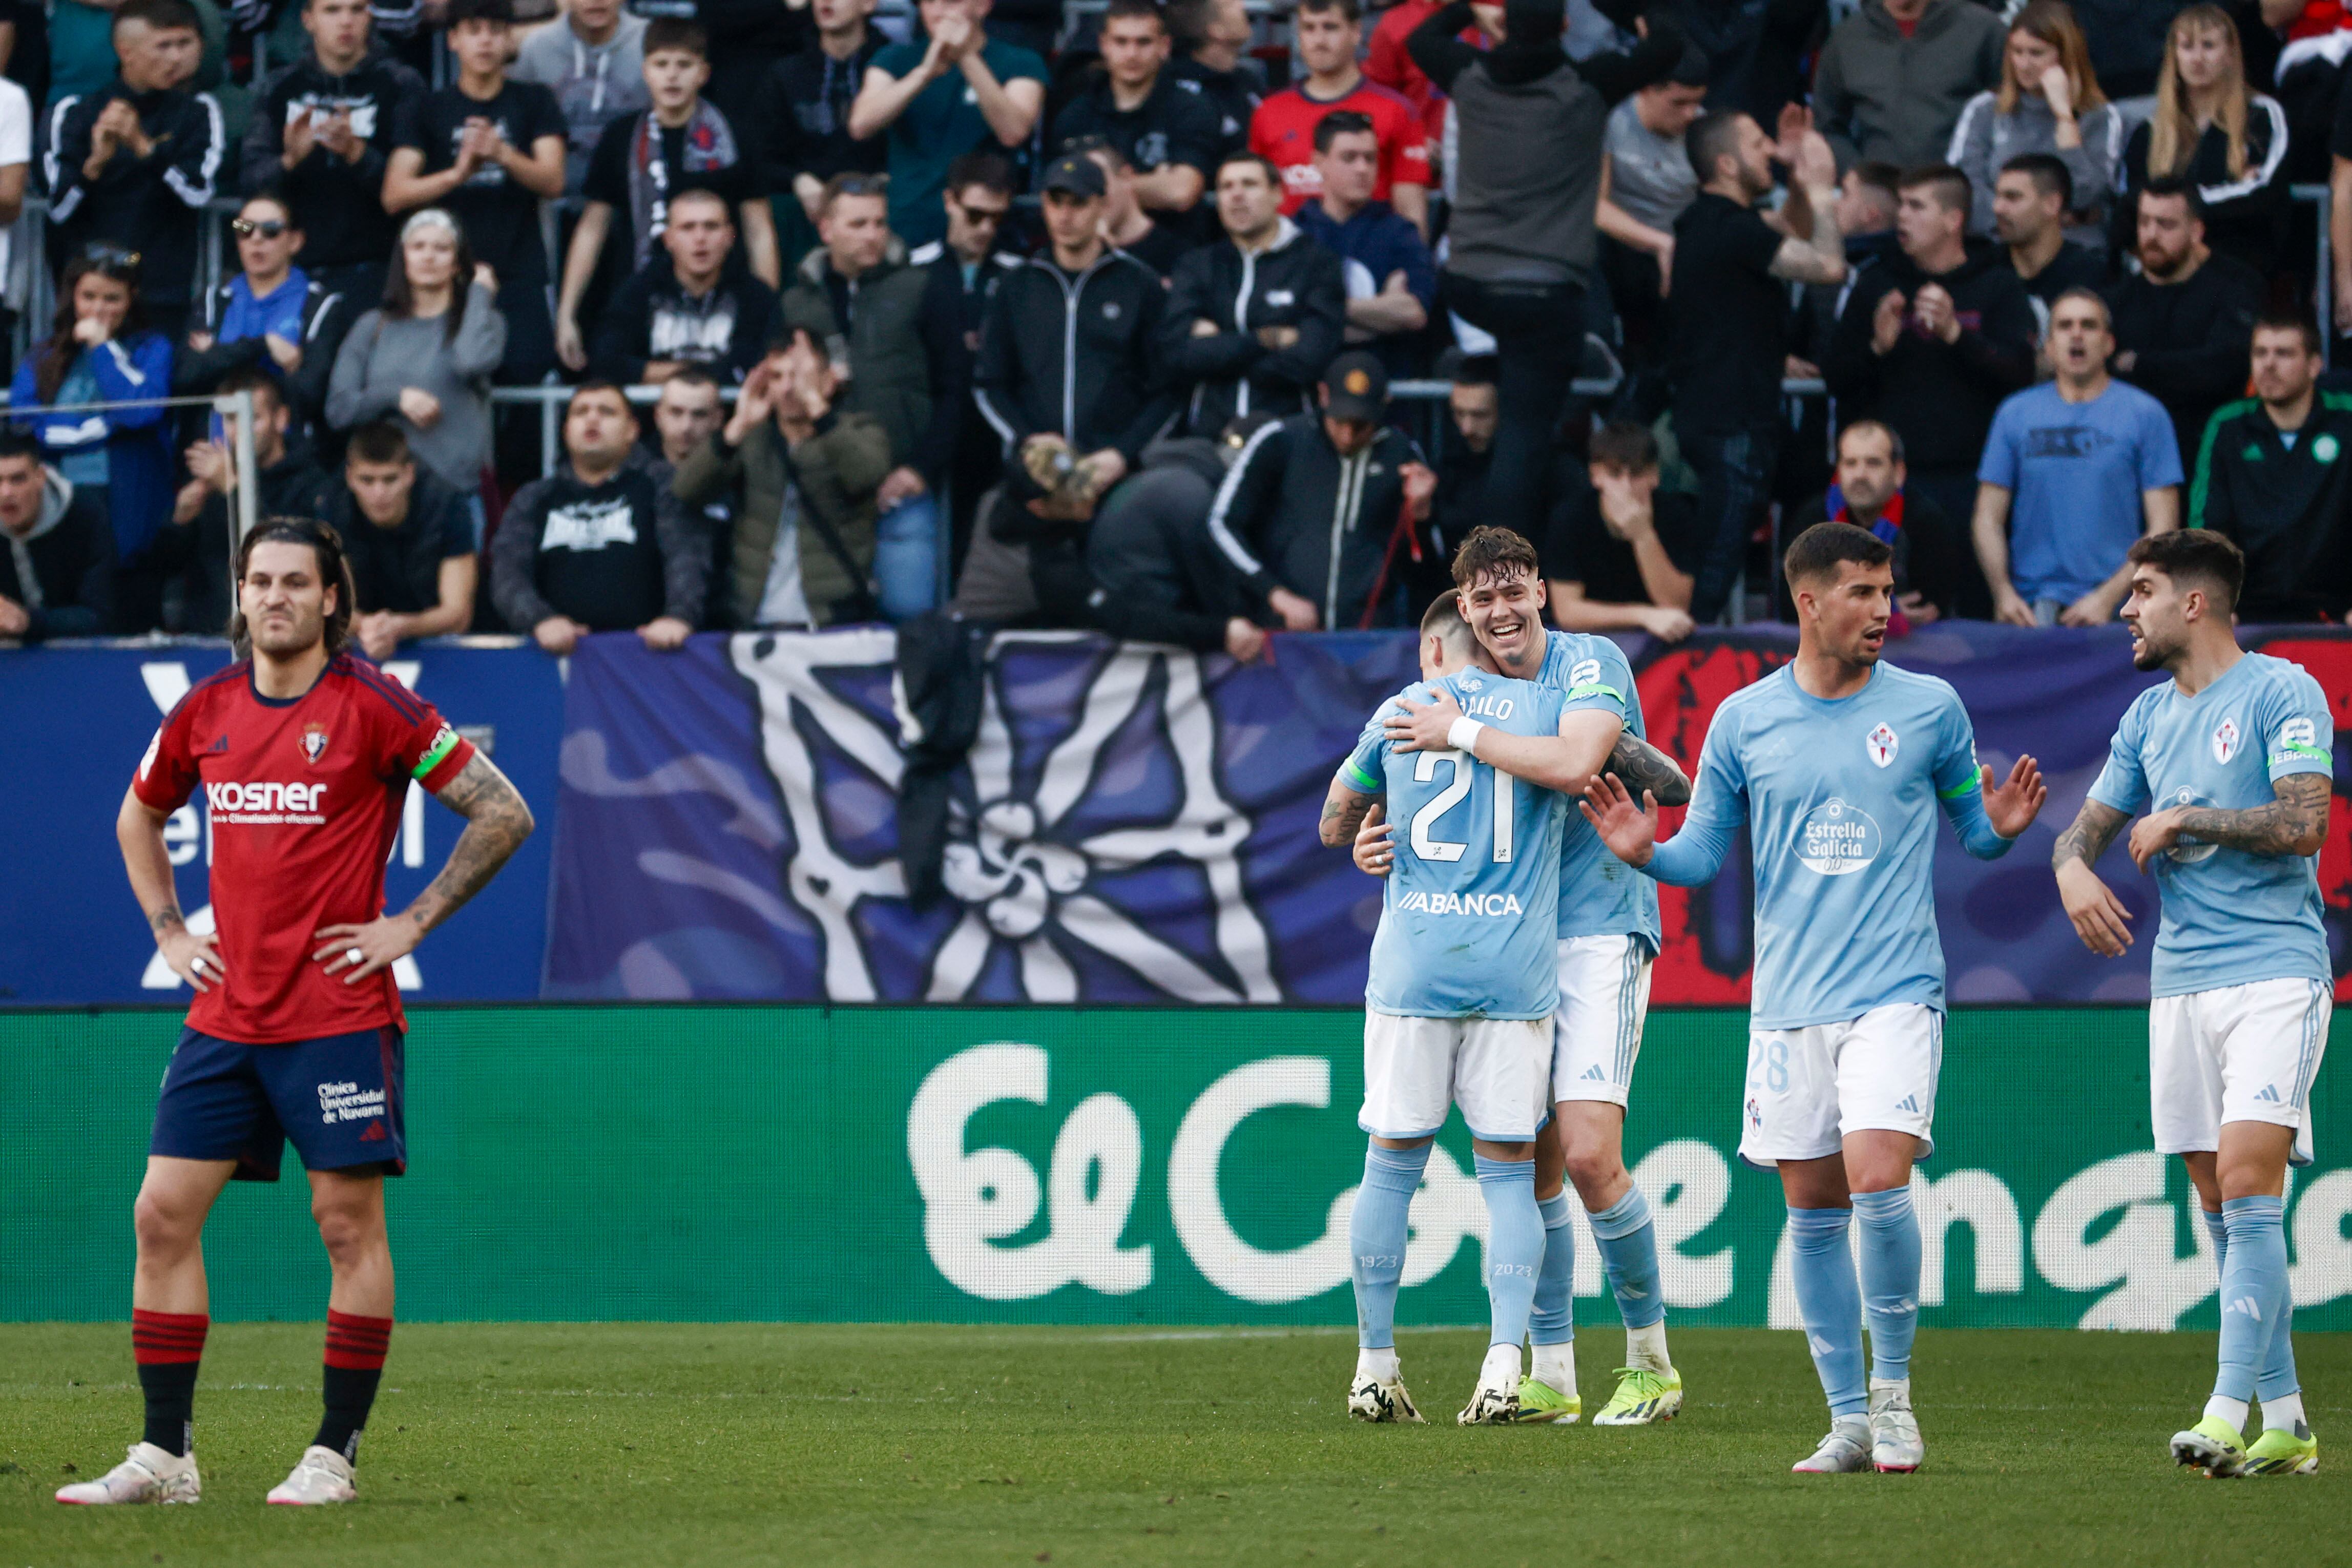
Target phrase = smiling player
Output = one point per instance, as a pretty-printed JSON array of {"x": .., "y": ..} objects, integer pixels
[
  {"x": 1837, "y": 763},
  {"x": 2237, "y": 751},
  {"x": 305, "y": 755}
]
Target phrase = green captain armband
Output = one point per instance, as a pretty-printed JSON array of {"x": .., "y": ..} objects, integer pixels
[
  {"x": 443, "y": 745},
  {"x": 1356, "y": 778},
  {"x": 1976, "y": 782}
]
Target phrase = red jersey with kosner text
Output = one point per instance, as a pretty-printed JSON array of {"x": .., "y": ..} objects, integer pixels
[
  {"x": 304, "y": 796},
  {"x": 1283, "y": 129}
]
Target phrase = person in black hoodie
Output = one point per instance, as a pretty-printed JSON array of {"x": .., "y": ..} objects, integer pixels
[
  {"x": 56, "y": 551},
  {"x": 1252, "y": 319},
  {"x": 410, "y": 542},
  {"x": 1069, "y": 379},
  {"x": 133, "y": 165},
  {"x": 603, "y": 544},
  {"x": 694, "y": 304},
  {"x": 1931, "y": 340},
  {"x": 806, "y": 103},
  {"x": 321, "y": 133},
  {"x": 1326, "y": 515},
  {"x": 195, "y": 546},
  {"x": 2184, "y": 322}
]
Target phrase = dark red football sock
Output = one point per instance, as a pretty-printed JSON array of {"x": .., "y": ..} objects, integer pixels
[
  {"x": 355, "y": 1349},
  {"x": 168, "y": 1348}
]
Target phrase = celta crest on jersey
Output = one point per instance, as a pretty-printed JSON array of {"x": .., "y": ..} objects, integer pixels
[
  {"x": 1882, "y": 744},
  {"x": 2225, "y": 739}
]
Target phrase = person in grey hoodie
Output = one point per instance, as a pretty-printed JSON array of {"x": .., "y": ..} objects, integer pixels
[
  {"x": 2048, "y": 101},
  {"x": 423, "y": 359},
  {"x": 57, "y": 554},
  {"x": 1895, "y": 75}
]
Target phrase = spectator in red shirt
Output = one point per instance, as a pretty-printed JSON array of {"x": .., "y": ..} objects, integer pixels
[
  {"x": 1283, "y": 130},
  {"x": 1388, "y": 64}
]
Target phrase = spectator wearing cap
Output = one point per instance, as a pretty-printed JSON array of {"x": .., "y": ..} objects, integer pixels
[
  {"x": 271, "y": 314},
  {"x": 1892, "y": 81},
  {"x": 2048, "y": 103},
  {"x": 695, "y": 303},
  {"x": 804, "y": 477},
  {"x": 1392, "y": 283},
  {"x": 2274, "y": 474},
  {"x": 133, "y": 165},
  {"x": 486, "y": 151},
  {"x": 1530, "y": 126},
  {"x": 954, "y": 92},
  {"x": 1620, "y": 555},
  {"x": 1167, "y": 136},
  {"x": 1647, "y": 182},
  {"x": 2183, "y": 322},
  {"x": 410, "y": 541},
  {"x": 1931, "y": 339},
  {"x": 1211, "y": 40},
  {"x": 1867, "y": 490},
  {"x": 809, "y": 95},
  {"x": 600, "y": 545},
  {"x": 1069, "y": 378},
  {"x": 1326, "y": 515},
  {"x": 1329, "y": 36},
  {"x": 57, "y": 552},
  {"x": 1126, "y": 226},
  {"x": 1252, "y": 319},
  {"x": 895, "y": 330},
  {"x": 2030, "y": 201},
  {"x": 2075, "y": 470},
  {"x": 593, "y": 59}
]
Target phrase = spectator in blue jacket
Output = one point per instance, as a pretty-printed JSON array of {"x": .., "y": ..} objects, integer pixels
[
  {"x": 99, "y": 351},
  {"x": 272, "y": 314},
  {"x": 1392, "y": 283}
]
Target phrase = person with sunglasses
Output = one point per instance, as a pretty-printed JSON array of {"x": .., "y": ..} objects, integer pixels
[
  {"x": 100, "y": 350},
  {"x": 135, "y": 163},
  {"x": 974, "y": 258},
  {"x": 272, "y": 315}
]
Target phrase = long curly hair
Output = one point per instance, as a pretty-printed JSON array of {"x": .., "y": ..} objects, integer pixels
[
  {"x": 334, "y": 571},
  {"x": 56, "y": 357}
]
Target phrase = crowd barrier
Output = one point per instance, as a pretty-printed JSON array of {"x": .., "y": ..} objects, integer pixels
[{"x": 1086, "y": 1167}]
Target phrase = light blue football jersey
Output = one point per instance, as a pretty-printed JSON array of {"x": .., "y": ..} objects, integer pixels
[
  {"x": 1600, "y": 896},
  {"x": 1840, "y": 798},
  {"x": 2230, "y": 918},
  {"x": 1466, "y": 915}
]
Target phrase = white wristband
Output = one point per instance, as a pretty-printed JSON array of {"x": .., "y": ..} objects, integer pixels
[{"x": 1462, "y": 734}]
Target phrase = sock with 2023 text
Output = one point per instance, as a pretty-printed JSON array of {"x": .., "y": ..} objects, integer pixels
[
  {"x": 1829, "y": 1297},
  {"x": 1552, "y": 1325},
  {"x": 2253, "y": 1298},
  {"x": 354, "y": 1366},
  {"x": 2276, "y": 1384},
  {"x": 168, "y": 1348},
  {"x": 1514, "y": 1246},
  {"x": 1890, "y": 1278},
  {"x": 1377, "y": 1232}
]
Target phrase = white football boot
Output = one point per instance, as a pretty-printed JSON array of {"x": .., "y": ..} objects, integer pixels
[
  {"x": 323, "y": 1476},
  {"x": 1895, "y": 1444},
  {"x": 1376, "y": 1393},
  {"x": 1846, "y": 1450},
  {"x": 147, "y": 1473}
]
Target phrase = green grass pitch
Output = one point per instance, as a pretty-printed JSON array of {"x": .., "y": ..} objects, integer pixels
[{"x": 672, "y": 1446}]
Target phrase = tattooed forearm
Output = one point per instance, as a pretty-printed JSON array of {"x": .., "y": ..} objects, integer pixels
[
  {"x": 1640, "y": 766},
  {"x": 2094, "y": 827},
  {"x": 1343, "y": 813},
  {"x": 497, "y": 823},
  {"x": 2294, "y": 824}
]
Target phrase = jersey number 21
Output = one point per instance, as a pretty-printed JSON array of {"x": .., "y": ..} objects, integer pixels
[{"x": 1422, "y": 833}]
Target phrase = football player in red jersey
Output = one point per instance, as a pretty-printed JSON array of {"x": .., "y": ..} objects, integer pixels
[{"x": 305, "y": 753}]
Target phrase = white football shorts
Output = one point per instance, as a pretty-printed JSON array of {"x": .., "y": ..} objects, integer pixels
[
  {"x": 1596, "y": 1031},
  {"x": 1807, "y": 1088},
  {"x": 1497, "y": 1069},
  {"x": 2241, "y": 1053}
]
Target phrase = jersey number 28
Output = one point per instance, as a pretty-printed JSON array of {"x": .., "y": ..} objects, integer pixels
[{"x": 1422, "y": 833}]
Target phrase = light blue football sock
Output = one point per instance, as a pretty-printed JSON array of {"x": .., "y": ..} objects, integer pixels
[
  {"x": 1553, "y": 1321},
  {"x": 1515, "y": 1245},
  {"x": 2253, "y": 1291},
  {"x": 1890, "y": 1278},
  {"x": 1830, "y": 1302},
  {"x": 1628, "y": 1249},
  {"x": 1376, "y": 1238},
  {"x": 2277, "y": 1378}
]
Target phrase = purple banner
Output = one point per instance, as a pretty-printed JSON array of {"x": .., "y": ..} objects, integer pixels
[{"x": 1136, "y": 823}]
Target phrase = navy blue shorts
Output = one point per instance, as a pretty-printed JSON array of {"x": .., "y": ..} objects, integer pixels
[{"x": 337, "y": 1098}]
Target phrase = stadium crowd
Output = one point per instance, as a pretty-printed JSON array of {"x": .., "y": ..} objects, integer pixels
[{"x": 1091, "y": 318}]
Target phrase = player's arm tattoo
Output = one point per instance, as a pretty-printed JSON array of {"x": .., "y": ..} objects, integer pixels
[
  {"x": 2093, "y": 829},
  {"x": 1640, "y": 766},
  {"x": 1343, "y": 813},
  {"x": 497, "y": 823},
  {"x": 166, "y": 918},
  {"x": 2298, "y": 817}
]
